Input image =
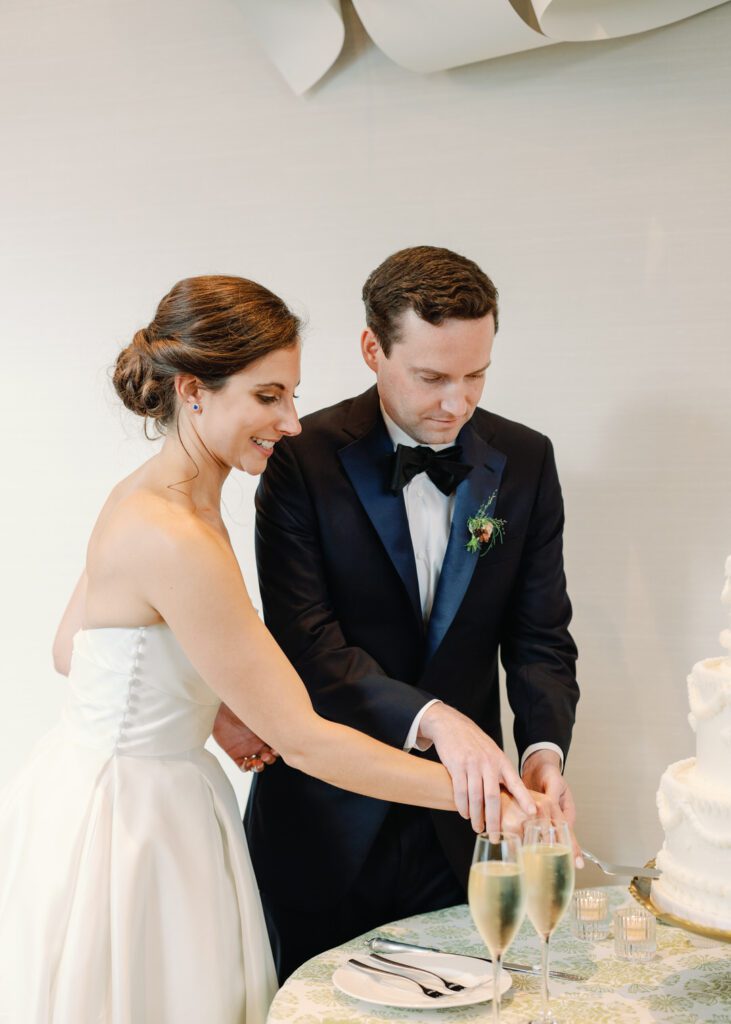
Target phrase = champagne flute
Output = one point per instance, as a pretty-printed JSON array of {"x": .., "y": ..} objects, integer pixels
[
  {"x": 496, "y": 896},
  {"x": 549, "y": 881}
]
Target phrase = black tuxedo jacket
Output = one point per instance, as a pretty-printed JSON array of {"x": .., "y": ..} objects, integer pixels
[{"x": 340, "y": 594}]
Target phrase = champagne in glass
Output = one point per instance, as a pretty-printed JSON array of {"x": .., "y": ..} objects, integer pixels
[
  {"x": 496, "y": 896},
  {"x": 549, "y": 878}
]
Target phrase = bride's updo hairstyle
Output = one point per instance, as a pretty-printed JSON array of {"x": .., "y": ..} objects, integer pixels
[{"x": 210, "y": 327}]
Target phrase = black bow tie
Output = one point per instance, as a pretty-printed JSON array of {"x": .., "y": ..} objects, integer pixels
[{"x": 443, "y": 468}]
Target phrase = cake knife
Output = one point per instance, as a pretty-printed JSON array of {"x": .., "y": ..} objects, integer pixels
[
  {"x": 379, "y": 944},
  {"x": 622, "y": 869}
]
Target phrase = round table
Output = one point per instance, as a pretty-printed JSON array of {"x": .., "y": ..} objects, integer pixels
[{"x": 688, "y": 981}]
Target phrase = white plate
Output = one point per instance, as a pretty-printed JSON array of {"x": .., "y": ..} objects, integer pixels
[{"x": 371, "y": 989}]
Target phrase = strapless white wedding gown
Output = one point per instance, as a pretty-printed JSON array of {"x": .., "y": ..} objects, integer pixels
[{"x": 126, "y": 890}]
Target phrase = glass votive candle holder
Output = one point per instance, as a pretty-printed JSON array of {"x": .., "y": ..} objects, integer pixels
[
  {"x": 590, "y": 914},
  {"x": 634, "y": 934}
]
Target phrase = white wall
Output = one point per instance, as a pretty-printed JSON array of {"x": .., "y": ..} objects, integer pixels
[{"x": 146, "y": 141}]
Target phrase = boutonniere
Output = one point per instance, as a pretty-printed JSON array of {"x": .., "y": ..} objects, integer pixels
[{"x": 485, "y": 530}]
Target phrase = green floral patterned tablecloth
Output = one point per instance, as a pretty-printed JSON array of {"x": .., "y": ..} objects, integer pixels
[{"x": 688, "y": 981}]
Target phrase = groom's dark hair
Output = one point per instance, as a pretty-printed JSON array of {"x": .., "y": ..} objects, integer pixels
[{"x": 436, "y": 283}]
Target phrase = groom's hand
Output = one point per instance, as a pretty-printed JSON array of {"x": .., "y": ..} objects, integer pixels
[
  {"x": 242, "y": 745},
  {"x": 542, "y": 772},
  {"x": 476, "y": 764}
]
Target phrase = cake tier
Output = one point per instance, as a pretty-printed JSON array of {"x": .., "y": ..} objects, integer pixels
[
  {"x": 709, "y": 694},
  {"x": 696, "y": 857}
]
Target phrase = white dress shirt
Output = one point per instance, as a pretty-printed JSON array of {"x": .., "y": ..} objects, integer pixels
[{"x": 429, "y": 513}]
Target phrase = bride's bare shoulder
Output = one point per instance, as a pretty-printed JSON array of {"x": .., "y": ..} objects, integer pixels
[{"x": 140, "y": 521}]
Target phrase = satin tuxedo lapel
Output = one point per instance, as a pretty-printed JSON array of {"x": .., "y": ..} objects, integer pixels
[
  {"x": 459, "y": 563},
  {"x": 367, "y": 461}
]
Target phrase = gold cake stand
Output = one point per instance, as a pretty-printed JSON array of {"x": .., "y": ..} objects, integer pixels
[{"x": 641, "y": 889}]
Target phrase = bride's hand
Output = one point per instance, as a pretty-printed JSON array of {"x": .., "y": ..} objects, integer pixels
[
  {"x": 243, "y": 746},
  {"x": 513, "y": 818}
]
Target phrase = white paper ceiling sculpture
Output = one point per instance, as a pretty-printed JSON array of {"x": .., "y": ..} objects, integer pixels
[{"x": 304, "y": 37}]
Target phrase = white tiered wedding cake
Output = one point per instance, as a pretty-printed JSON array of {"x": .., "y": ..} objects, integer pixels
[{"x": 694, "y": 801}]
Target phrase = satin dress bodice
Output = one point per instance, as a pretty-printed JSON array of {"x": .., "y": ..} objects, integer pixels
[{"x": 133, "y": 691}]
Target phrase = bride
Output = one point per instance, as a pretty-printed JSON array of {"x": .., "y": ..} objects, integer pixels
[{"x": 126, "y": 891}]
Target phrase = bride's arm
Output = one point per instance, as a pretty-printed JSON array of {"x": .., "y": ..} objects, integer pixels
[
  {"x": 191, "y": 577},
  {"x": 70, "y": 624}
]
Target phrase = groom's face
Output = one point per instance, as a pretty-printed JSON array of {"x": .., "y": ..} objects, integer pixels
[{"x": 434, "y": 376}]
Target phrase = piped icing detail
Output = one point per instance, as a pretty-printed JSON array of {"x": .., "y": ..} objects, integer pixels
[
  {"x": 674, "y": 875},
  {"x": 694, "y": 800},
  {"x": 709, "y": 688}
]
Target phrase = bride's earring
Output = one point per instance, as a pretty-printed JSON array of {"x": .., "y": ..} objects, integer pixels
[{"x": 196, "y": 407}]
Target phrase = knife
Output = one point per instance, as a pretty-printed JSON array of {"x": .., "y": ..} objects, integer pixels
[
  {"x": 624, "y": 870},
  {"x": 380, "y": 944}
]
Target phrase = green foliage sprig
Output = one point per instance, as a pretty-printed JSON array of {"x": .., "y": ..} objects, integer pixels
[{"x": 485, "y": 530}]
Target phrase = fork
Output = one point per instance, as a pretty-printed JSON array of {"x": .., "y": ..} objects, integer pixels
[
  {"x": 453, "y": 986},
  {"x": 369, "y": 969},
  {"x": 622, "y": 869}
]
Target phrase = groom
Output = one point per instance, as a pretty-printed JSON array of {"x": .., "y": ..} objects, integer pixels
[{"x": 394, "y": 567}]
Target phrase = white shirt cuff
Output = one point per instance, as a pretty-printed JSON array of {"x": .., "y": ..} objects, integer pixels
[
  {"x": 411, "y": 740},
  {"x": 540, "y": 746}
]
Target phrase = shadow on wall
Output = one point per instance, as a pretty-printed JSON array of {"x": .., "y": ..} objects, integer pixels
[{"x": 647, "y": 534}]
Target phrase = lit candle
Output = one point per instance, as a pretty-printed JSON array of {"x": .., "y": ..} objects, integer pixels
[
  {"x": 590, "y": 914},
  {"x": 634, "y": 934},
  {"x": 635, "y": 929},
  {"x": 591, "y": 909}
]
